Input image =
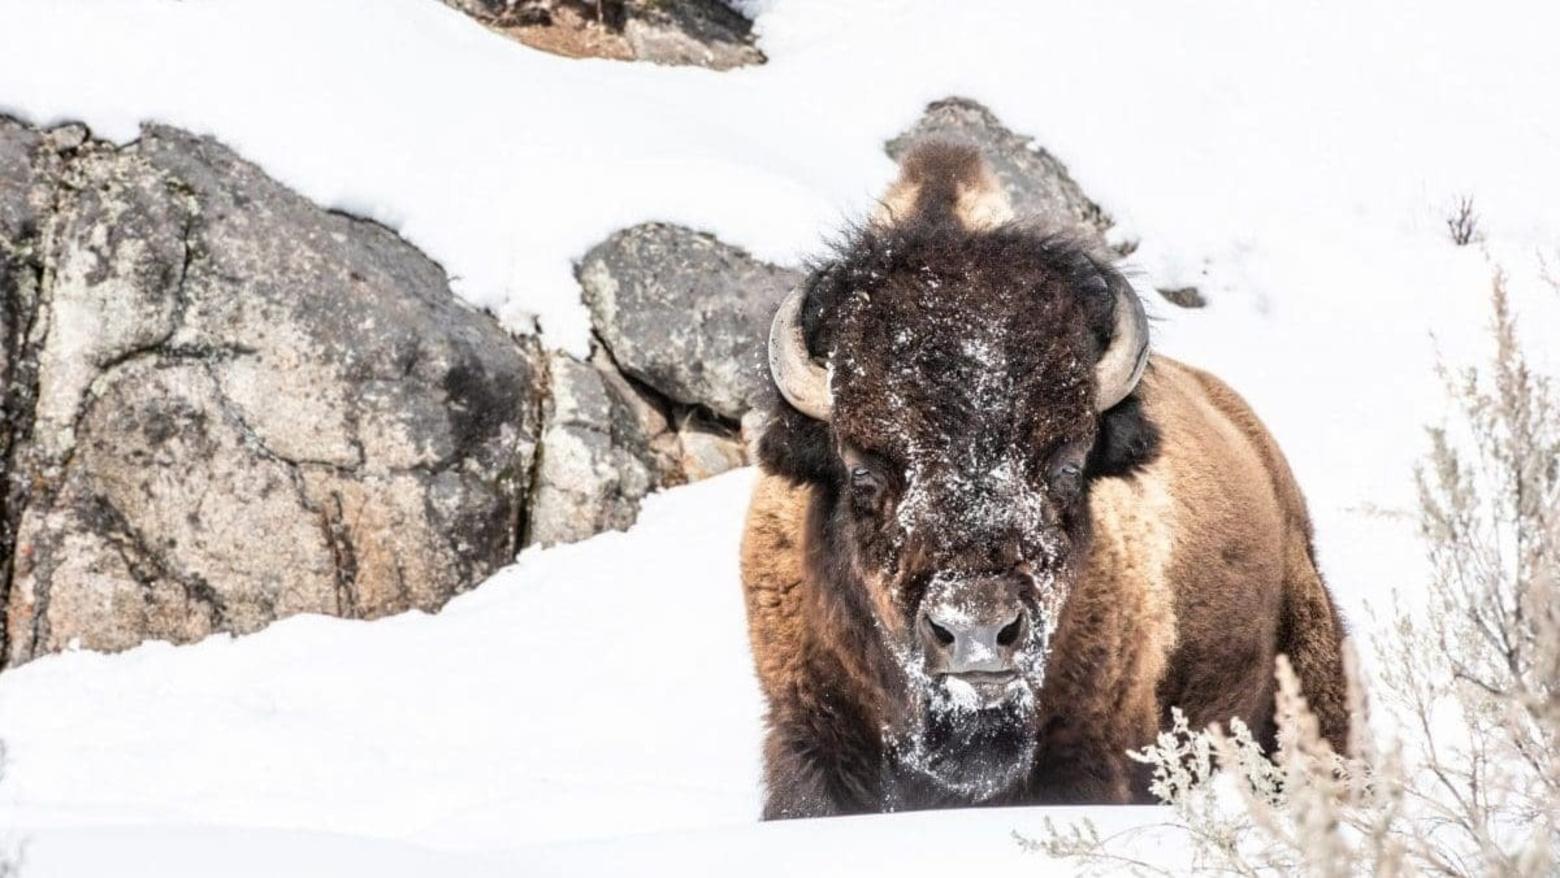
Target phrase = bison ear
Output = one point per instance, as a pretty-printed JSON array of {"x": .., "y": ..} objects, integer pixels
[
  {"x": 1127, "y": 440},
  {"x": 797, "y": 447}
]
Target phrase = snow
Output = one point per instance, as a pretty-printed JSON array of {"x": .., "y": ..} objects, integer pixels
[
  {"x": 602, "y": 687},
  {"x": 936, "y": 843},
  {"x": 593, "y": 706},
  {"x": 1212, "y": 133}
]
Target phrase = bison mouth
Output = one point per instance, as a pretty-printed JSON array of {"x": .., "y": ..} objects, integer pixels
[
  {"x": 974, "y": 690},
  {"x": 975, "y": 737}
]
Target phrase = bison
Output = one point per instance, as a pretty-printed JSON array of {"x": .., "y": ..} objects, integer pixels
[{"x": 994, "y": 540}]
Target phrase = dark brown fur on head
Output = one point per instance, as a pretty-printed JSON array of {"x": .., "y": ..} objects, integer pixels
[{"x": 1011, "y": 265}]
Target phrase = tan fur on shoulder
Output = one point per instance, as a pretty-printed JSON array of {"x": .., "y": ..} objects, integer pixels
[{"x": 773, "y": 547}]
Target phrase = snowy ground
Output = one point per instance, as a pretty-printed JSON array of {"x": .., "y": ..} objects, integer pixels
[{"x": 594, "y": 704}]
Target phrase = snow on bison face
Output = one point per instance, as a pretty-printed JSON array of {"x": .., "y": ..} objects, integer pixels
[{"x": 962, "y": 387}]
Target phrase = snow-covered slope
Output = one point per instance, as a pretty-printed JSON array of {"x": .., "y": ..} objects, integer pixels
[
  {"x": 593, "y": 706},
  {"x": 1218, "y": 133},
  {"x": 597, "y": 688},
  {"x": 925, "y": 843}
]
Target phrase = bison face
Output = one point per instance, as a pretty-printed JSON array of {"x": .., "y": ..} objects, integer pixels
[
  {"x": 954, "y": 395},
  {"x": 962, "y": 419}
]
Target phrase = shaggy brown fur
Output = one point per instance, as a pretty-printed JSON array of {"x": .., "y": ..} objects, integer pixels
[{"x": 962, "y": 348}]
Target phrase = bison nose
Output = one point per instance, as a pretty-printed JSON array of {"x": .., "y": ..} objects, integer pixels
[{"x": 958, "y": 644}]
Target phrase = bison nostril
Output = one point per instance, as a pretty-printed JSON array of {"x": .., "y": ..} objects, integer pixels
[
  {"x": 943, "y": 635},
  {"x": 1009, "y": 633}
]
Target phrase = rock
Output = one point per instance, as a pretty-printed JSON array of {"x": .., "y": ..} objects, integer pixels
[
  {"x": 19, "y": 219},
  {"x": 247, "y": 407},
  {"x": 708, "y": 452},
  {"x": 1186, "y": 297},
  {"x": 28, "y": 174},
  {"x": 702, "y": 33},
  {"x": 751, "y": 430},
  {"x": 685, "y": 314},
  {"x": 1036, "y": 183},
  {"x": 606, "y": 443},
  {"x": 596, "y": 460}
]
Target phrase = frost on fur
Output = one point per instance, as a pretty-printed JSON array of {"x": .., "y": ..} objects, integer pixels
[{"x": 1470, "y": 681}]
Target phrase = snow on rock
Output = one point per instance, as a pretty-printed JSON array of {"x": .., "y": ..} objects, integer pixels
[
  {"x": 706, "y": 33},
  {"x": 245, "y": 407}
]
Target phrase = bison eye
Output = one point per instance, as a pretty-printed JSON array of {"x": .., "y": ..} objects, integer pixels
[
  {"x": 1067, "y": 479},
  {"x": 864, "y": 482}
]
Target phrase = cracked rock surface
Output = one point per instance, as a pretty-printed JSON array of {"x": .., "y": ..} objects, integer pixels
[
  {"x": 225, "y": 405},
  {"x": 604, "y": 448},
  {"x": 607, "y": 442}
]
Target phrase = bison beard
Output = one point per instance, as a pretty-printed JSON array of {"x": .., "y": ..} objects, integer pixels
[
  {"x": 977, "y": 753},
  {"x": 993, "y": 544}
]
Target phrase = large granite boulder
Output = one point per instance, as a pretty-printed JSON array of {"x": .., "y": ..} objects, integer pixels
[
  {"x": 1036, "y": 182},
  {"x": 685, "y": 313},
  {"x": 245, "y": 407}
]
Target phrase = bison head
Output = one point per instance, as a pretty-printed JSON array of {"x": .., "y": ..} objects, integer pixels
[{"x": 951, "y": 383}]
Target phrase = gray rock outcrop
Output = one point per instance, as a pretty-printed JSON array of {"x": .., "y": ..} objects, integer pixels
[
  {"x": 241, "y": 406},
  {"x": 606, "y": 443},
  {"x": 604, "y": 448},
  {"x": 685, "y": 314}
]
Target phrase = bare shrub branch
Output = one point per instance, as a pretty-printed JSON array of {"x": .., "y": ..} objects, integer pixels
[{"x": 1463, "y": 224}]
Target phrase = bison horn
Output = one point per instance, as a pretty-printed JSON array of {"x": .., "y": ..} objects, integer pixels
[
  {"x": 803, "y": 381},
  {"x": 1122, "y": 364}
]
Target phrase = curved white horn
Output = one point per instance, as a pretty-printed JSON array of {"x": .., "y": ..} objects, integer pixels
[
  {"x": 1122, "y": 364},
  {"x": 802, "y": 380}
]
